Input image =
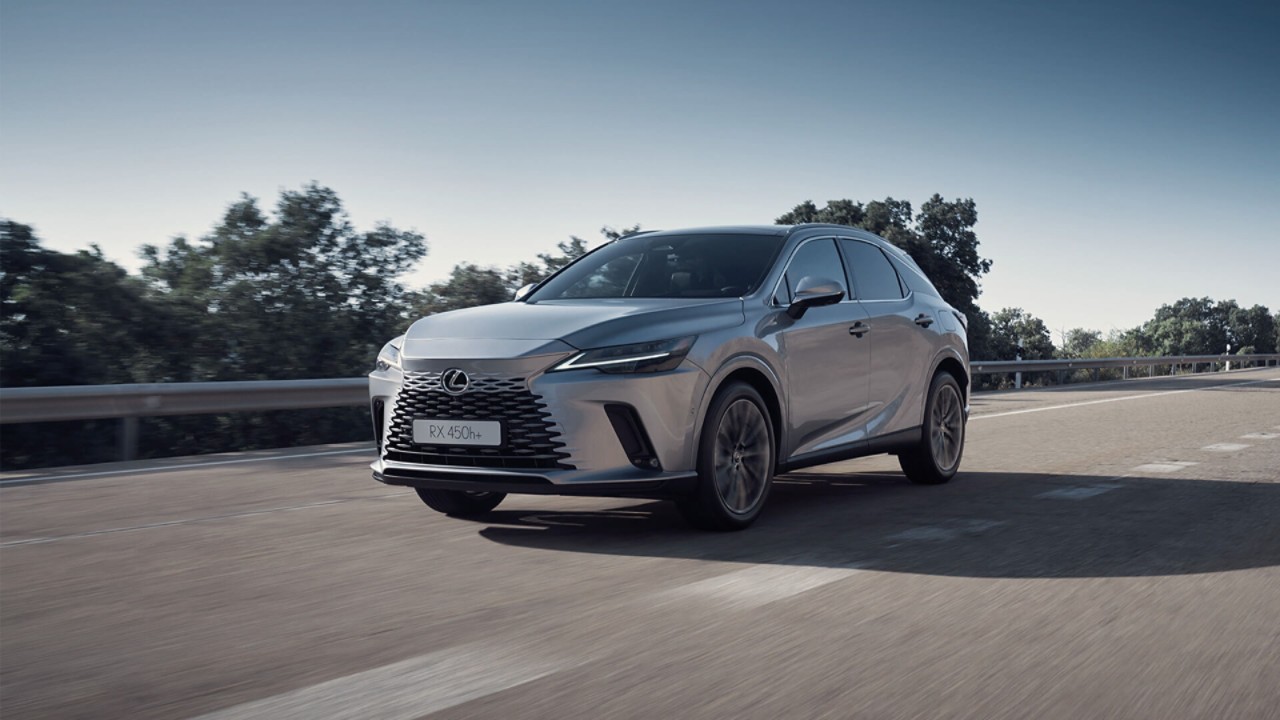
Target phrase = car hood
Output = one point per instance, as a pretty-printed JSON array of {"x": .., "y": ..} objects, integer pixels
[{"x": 515, "y": 328}]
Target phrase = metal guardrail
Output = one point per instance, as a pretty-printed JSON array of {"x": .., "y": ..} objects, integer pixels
[
  {"x": 94, "y": 402},
  {"x": 130, "y": 402},
  {"x": 1008, "y": 366}
]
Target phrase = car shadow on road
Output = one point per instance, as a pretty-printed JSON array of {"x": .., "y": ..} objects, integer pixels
[{"x": 982, "y": 524}]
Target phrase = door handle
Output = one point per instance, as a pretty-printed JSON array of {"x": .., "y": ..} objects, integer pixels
[
  {"x": 923, "y": 320},
  {"x": 859, "y": 329}
]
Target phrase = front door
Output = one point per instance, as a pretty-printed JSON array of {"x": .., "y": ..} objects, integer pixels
[{"x": 825, "y": 360}]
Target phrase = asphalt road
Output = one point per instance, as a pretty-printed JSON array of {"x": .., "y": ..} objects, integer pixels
[{"x": 1108, "y": 551}]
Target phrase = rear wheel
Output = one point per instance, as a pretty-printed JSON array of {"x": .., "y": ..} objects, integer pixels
[
  {"x": 735, "y": 461},
  {"x": 460, "y": 503},
  {"x": 937, "y": 457}
]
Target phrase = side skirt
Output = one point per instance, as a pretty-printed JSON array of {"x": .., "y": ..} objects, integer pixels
[{"x": 894, "y": 442}]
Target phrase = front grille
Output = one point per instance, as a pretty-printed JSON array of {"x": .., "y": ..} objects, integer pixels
[{"x": 531, "y": 440}]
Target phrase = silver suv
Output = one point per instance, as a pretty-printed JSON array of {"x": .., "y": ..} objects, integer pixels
[{"x": 689, "y": 365}]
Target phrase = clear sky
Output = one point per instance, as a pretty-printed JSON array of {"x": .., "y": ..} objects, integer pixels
[{"x": 1122, "y": 155}]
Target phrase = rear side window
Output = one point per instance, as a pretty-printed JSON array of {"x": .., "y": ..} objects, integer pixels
[
  {"x": 816, "y": 258},
  {"x": 870, "y": 272},
  {"x": 913, "y": 278}
]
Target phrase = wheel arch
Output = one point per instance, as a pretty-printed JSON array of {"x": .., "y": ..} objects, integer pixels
[
  {"x": 755, "y": 372},
  {"x": 957, "y": 368}
]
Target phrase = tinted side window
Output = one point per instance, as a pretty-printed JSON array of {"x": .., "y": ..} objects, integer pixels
[
  {"x": 817, "y": 258},
  {"x": 873, "y": 276},
  {"x": 913, "y": 279}
]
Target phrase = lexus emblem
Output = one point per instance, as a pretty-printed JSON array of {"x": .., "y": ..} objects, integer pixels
[{"x": 454, "y": 381}]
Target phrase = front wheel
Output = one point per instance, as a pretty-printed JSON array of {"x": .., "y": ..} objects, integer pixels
[
  {"x": 460, "y": 503},
  {"x": 735, "y": 461},
  {"x": 937, "y": 457}
]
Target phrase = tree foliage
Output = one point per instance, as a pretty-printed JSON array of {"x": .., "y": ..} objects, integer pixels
[
  {"x": 1011, "y": 325},
  {"x": 1080, "y": 343},
  {"x": 1201, "y": 326},
  {"x": 299, "y": 294},
  {"x": 71, "y": 319}
]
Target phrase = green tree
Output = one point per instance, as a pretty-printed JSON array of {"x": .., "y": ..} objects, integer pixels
[
  {"x": 1191, "y": 326},
  {"x": 1252, "y": 327},
  {"x": 1080, "y": 343},
  {"x": 1010, "y": 325},
  {"x": 298, "y": 294},
  {"x": 71, "y": 319}
]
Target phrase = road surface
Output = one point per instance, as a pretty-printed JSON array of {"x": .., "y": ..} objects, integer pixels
[{"x": 1106, "y": 551}]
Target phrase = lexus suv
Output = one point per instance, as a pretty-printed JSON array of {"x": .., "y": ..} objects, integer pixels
[{"x": 688, "y": 365}]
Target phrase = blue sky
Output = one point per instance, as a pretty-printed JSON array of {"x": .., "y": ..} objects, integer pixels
[{"x": 1122, "y": 155}]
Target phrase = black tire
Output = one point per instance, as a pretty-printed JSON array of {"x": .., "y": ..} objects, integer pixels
[
  {"x": 937, "y": 458},
  {"x": 736, "y": 460},
  {"x": 460, "y": 503}
]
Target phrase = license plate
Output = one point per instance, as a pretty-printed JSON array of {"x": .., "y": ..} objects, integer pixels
[{"x": 486, "y": 433}]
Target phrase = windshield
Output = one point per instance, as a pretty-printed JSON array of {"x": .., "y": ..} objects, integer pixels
[{"x": 646, "y": 266}]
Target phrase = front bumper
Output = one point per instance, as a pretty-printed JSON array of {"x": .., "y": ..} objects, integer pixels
[
  {"x": 562, "y": 434},
  {"x": 667, "y": 486}
]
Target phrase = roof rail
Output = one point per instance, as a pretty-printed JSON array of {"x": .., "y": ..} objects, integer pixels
[
  {"x": 637, "y": 232},
  {"x": 805, "y": 226}
]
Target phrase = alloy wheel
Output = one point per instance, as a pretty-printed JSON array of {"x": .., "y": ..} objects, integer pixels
[
  {"x": 743, "y": 454},
  {"x": 947, "y": 428}
]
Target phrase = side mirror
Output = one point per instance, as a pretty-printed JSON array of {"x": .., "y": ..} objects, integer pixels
[
  {"x": 522, "y": 292},
  {"x": 814, "y": 292}
]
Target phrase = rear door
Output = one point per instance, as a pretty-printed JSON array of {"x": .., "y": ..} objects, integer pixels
[
  {"x": 825, "y": 363},
  {"x": 900, "y": 349}
]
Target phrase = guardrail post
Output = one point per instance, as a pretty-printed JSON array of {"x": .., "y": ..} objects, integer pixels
[
  {"x": 1124, "y": 373},
  {"x": 128, "y": 438}
]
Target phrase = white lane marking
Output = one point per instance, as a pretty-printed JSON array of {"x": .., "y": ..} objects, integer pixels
[
  {"x": 1115, "y": 399},
  {"x": 1260, "y": 436},
  {"x": 160, "y": 468},
  {"x": 761, "y": 584},
  {"x": 187, "y": 521},
  {"x": 1163, "y": 467},
  {"x": 1079, "y": 493},
  {"x": 1225, "y": 447},
  {"x": 938, "y": 533},
  {"x": 407, "y": 689}
]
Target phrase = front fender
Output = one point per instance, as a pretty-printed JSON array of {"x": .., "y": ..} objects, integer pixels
[{"x": 741, "y": 361}]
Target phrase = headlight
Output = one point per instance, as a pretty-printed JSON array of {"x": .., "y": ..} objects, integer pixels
[
  {"x": 389, "y": 356},
  {"x": 640, "y": 357}
]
